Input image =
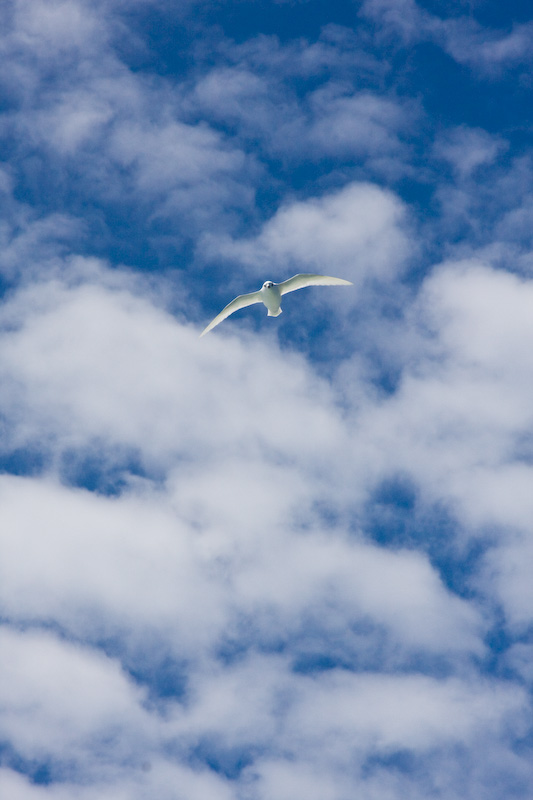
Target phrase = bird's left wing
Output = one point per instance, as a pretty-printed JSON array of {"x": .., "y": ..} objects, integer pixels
[
  {"x": 308, "y": 279},
  {"x": 241, "y": 301}
]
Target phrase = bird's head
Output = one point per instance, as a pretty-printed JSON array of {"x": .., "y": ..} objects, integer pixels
[{"x": 268, "y": 285}]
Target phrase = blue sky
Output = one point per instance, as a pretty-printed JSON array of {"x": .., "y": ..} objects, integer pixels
[{"x": 292, "y": 558}]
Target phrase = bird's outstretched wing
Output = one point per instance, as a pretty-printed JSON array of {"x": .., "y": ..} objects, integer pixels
[
  {"x": 307, "y": 279},
  {"x": 241, "y": 301}
]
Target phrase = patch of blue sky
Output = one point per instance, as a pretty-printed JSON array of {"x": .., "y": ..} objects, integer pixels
[
  {"x": 107, "y": 474},
  {"x": 23, "y": 462},
  {"x": 40, "y": 773},
  {"x": 221, "y": 758}
]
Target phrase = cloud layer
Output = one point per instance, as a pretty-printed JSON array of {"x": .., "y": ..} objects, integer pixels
[{"x": 292, "y": 558}]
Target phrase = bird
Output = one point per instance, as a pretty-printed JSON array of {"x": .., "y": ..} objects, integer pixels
[{"x": 270, "y": 295}]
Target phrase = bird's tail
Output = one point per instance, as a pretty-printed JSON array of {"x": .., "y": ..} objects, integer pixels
[{"x": 274, "y": 313}]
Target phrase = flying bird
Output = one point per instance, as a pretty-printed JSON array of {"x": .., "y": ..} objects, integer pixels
[{"x": 270, "y": 295}]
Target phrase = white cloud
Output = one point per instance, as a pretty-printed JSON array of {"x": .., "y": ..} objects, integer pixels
[
  {"x": 191, "y": 164},
  {"x": 346, "y": 124},
  {"x": 470, "y": 394},
  {"x": 26, "y": 234},
  {"x": 163, "y": 779},
  {"x": 198, "y": 565},
  {"x": 89, "y": 385},
  {"x": 465, "y": 40},
  {"x": 235, "y": 94},
  {"x": 330, "y": 121},
  {"x": 54, "y": 30},
  {"x": 460, "y": 422},
  {"x": 467, "y": 149},
  {"x": 126, "y": 385},
  {"x": 487, "y": 51},
  {"x": 357, "y": 233},
  {"x": 519, "y": 658},
  {"x": 328, "y": 725},
  {"x": 508, "y": 572},
  {"x": 103, "y": 566},
  {"x": 401, "y": 16},
  {"x": 394, "y": 711},
  {"x": 120, "y": 133},
  {"x": 76, "y": 119},
  {"x": 230, "y": 547},
  {"x": 319, "y": 573},
  {"x": 55, "y": 676}
]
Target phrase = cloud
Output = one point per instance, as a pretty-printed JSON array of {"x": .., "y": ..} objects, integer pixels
[
  {"x": 357, "y": 232},
  {"x": 324, "y": 724},
  {"x": 282, "y": 624},
  {"x": 74, "y": 696},
  {"x": 486, "y": 50},
  {"x": 474, "y": 377},
  {"x": 383, "y": 709},
  {"x": 77, "y": 392},
  {"x": 461, "y": 418},
  {"x": 349, "y": 125},
  {"x": 49, "y": 33},
  {"x": 26, "y": 233},
  {"x": 338, "y": 49},
  {"x": 77, "y": 387},
  {"x": 467, "y": 150},
  {"x": 82, "y": 113},
  {"x": 258, "y": 103},
  {"x": 188, "y": 164}
]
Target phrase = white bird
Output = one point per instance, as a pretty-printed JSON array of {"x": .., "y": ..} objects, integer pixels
[{"x": 270, "y": 295}]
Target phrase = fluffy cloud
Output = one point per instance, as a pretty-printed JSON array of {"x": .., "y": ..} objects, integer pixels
[
  {"x": 259, "y": 103},
  {"x": 227, "y": 555},
  {"x": 83, "y": 113},
  {"x": 486, "y": 50},
  {"x": 74, "y": 697},
  {"x": 462, "y": 416},
  {"x": 78, "y": 393},
  {"x": 238, "y": 552},
  {"x": 467, "y": 150},
  {"x": 359, "y": 233}
]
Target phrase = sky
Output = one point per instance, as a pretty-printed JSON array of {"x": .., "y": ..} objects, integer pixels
[{"x": 291, "y": 559}]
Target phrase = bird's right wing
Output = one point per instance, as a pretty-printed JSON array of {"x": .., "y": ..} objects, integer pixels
[
  {"x": 308, "y": 279},
  {"x": 241, "y": 301}
]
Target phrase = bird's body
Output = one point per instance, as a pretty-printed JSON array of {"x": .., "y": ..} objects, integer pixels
[
  {"x": 270, "y": 295},
  {"x": 271, "y": 298}
]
